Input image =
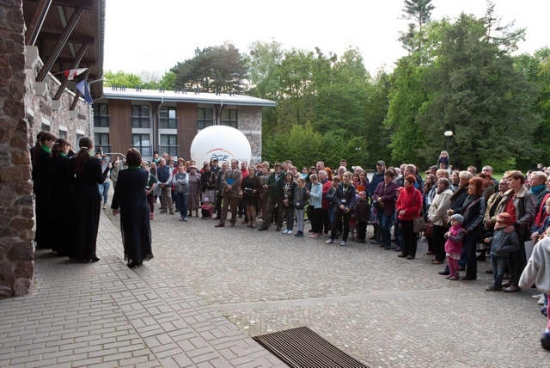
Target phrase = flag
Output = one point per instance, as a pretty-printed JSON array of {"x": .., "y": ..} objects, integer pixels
[
  {"x": 71, "y": 73},
  {"x": 84, "y": 90}
]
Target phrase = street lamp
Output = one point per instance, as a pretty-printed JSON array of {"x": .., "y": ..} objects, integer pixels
[{"x": 448, "y": 134}]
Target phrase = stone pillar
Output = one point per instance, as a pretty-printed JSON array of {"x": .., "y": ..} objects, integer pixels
[{"x": 16, "y": 201}]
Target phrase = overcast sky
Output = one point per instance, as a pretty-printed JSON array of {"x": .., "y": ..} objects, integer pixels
[{"x": 145, "y": 35}]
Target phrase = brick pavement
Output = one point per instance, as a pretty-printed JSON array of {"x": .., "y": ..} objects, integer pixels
[
  {"x": 209, "y": 288},
  {"x": 106, "y": 315}
]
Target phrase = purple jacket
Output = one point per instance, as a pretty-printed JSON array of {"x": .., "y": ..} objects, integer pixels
[{"x": 386, "y": 194}]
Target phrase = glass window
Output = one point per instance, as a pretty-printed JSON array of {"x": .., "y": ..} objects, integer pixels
[
  {"x": 142, "y": 142},
  {"x": 63, "y": 134},
  {"x": 168, "y": 118},
  {"x": 102, "y": 140},
  {"x": 78, "y": 138},
  {"x": 205, "y": 118},
  {"x": 101, "y": 115},
  {"x": 141, "y": 117},
  {"x": 169, "y": 144},
  {"x": 45, "y": 127},
  {"x": 229, "y": 118}
]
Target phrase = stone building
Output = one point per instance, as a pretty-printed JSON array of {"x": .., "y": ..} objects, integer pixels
[
  {"x": 167, "y": 121},
  {"x": 38, "y": 41}
]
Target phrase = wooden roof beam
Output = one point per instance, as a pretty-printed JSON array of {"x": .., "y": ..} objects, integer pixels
[
  {"x": 84, "y": 4},
  {"x": 74, "y": 38},
  {"x": 60, "y": 44},
  {"x": 74, "y": 65},
  {"x": 37, "y": 21}
]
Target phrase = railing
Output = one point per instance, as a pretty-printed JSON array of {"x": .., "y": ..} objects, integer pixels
[
  {"x": 171, "y": 150},
  {"x": 168, "y": 123},
  {"x": 101, "y": 121},
  {"x": 140, "y": 122}
]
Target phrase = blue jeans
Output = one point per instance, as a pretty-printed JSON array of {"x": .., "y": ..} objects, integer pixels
[
  {"x": 499, "y": 268},
  {"x": 104, "y": 190},
  {"x": 182, "y": 201},
  {"x": 385, "y": 225}
]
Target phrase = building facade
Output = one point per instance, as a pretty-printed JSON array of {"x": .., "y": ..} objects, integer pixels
[{"x": 167, "y": 121}]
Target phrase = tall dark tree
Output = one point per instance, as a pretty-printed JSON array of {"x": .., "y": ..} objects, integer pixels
[
  {"x": 419, "y": 13},
  {"x": 213, "y": 69}
]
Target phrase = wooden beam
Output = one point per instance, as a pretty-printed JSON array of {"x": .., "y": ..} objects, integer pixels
[
  {"x": 60, "y": 44},
  {"x": 74, "y": 65},
  {"x": 74, "y": 38},
  {"x": 84, "y": 4},
  {"x": 37, "y": 20}
]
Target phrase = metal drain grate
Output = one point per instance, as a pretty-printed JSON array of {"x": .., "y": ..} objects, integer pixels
[{"x": 301, "y": 347}]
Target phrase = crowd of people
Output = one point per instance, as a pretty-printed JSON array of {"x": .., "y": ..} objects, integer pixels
[{"x": 464, "y": 216}]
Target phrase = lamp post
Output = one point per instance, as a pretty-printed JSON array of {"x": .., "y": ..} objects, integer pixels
[{"x": 448, "y": 134}]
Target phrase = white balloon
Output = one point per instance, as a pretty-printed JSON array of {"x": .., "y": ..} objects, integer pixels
[{"x": 220, "y": 142}]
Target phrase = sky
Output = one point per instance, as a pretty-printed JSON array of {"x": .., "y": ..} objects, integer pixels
[{"x": 152, "y": 36}]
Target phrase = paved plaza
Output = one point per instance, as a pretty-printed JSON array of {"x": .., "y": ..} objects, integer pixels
[{"x": 209, "y": 289}]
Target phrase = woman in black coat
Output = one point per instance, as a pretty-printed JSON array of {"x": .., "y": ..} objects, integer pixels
[
  {"x": 131, "y": 199},
  {"x": 60, "y": 197},
  {"x": 87, "y": 201},
  {"x": 40, "y": 154}
]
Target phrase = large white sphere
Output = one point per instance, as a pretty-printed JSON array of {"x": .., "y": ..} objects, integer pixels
[{"x": 220, "y": 142}]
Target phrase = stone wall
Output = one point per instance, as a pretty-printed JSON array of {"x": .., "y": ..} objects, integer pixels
[
  {"x": 250, "y": 124},
  {"x": 23, "y": 110}
]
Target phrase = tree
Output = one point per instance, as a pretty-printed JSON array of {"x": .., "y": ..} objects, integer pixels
[
  {"x": 212, "y": 69},
  {"x": 418, "y": 11},
  {"x": 121, "y": 79}
]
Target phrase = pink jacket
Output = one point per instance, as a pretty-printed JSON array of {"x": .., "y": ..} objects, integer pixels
[{"x": 454, "y": 240}]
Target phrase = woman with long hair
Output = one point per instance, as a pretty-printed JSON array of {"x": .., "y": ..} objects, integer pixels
[
  {"x": 87, "y": 173},
  {"x": 40, "y": 154},
  {"x": 130, "y": 199}
]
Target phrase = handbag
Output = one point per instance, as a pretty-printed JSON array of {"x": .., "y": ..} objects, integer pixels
[
  {"x": 419, "y": 224},
  {"x": 429, "y": 230}
]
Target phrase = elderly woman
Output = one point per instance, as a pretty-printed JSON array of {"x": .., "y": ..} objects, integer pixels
[
  {"x": 131, "y": 201},
  {"x": 437, "y": 215},
  {"x": 408, "y": 206},
  {"x": 384, "y": 197},
  {"x": 473, "y": 211}
]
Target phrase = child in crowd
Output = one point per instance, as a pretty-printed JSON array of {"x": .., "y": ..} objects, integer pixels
[
  {"x": 207, "y": 208},
  {"x": 443, "y": 159},
  {"x": 537, "y": 272},
  {"x": 453, "y": 245},
  {"x": 502, "y": 245}
]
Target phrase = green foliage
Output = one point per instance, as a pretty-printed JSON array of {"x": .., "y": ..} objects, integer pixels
[
  {"x": 121, "y": 79},
  {"x": 212, "y": 69}
]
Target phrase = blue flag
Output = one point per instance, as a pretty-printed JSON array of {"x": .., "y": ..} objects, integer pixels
[{"x": 84, "y": 90}]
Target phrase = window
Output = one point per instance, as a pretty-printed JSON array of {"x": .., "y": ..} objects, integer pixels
[
  {"x": 142, "y": 142},
  {"x": 141, "y": 116},
  {"x": 102, "y": 140},
  {"x": 101, "y": 115},
  {"x": 63, "y": 134},
  {"x": 169, "y": 144},
  {"x": 168, "y": 118},
  {"x": 78, "y": 138},
  {"x": 45, "y": 127},
  {"x": 229, "y": 118},
  {"x": 205, "y": 118}
]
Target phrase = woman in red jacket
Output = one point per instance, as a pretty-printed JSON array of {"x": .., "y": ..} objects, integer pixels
[{"x": 408, "y": 206}]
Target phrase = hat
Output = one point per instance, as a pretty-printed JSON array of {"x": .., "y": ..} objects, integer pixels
[
  {"x": 380, "y": 162},
  {"x": 193, "y": 167},
  {"x": 504, "y": 217},
  {"x": 457, "y": 217}
]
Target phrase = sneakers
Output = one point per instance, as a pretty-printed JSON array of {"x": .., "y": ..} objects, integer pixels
[
  {"x": 284, "y": 231},
  {"x": 493, "y": 288},
  {"x": 289, "y": 232},
  {"x": 545, "y": 340},
  {"x": 342, "y": 243},
  {"x": 299, "y": 234},
  {"x": 314, "y": 236},
  {"x": 329, "y": 241}
]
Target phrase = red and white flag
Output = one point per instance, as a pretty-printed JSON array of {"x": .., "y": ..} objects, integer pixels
[{"x": 70, "y": 74}]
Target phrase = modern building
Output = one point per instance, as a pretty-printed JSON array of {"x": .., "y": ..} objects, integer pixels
[
  {"x": 167, "y": 121},
  {"x": 39, "y": 40}
]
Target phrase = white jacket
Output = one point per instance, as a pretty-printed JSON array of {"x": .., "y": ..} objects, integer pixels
[{"x": 537, "y": 270}]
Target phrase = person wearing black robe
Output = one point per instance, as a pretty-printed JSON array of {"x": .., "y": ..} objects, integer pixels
[
  {"x": 40, "y": 155},
  {"x": 60, "y": 219},
  {"x": 87, "y": 201},
  {"x": 131, "y": 201}
]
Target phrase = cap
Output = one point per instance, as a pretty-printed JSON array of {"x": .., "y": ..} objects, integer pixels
[
  {"x": 380, "y": 162},
  {"x": 457, "y": 217},
  {"x": 193, "y": 167}
]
